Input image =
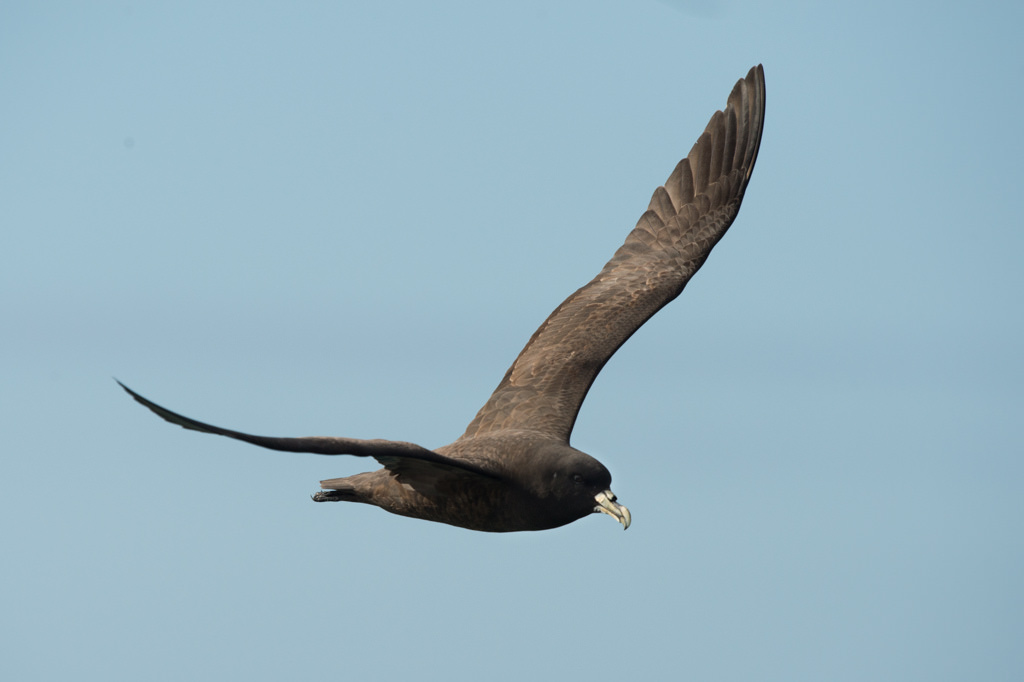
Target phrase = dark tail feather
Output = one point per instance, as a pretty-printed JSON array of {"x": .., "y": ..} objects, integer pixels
[
  {"x": 335, "y": 496},
  {"x": 337, "y": 490}
]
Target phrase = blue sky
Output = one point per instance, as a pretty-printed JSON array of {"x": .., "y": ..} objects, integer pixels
[{"x": 334, "y": 219}]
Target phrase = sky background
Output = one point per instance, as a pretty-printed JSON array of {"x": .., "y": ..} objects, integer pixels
[{"x": 347, "y": 219}]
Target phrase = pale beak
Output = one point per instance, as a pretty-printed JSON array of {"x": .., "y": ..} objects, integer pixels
[{"x": 606, "y": 504}]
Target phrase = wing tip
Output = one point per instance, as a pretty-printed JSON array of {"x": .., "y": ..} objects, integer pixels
[{"x": 732, "y": 138}]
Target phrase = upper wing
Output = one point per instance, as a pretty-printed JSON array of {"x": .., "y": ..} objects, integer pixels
[
  {"x": 546, "y": 385},
  {"x": 392, "y": 454}
]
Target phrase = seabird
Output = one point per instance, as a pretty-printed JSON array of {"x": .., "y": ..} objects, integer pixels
[{"x": 513, "y": 469}]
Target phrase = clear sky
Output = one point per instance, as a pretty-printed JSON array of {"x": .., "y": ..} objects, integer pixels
[{"x": 346, "y": 219}]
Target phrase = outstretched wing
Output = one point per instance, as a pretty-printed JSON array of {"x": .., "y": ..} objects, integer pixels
[
  {"x": 395, "y": 455},
  {"x": 546, "y": 385}
]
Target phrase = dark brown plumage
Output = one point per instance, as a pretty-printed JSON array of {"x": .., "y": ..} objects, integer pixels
[{"x": 513, "y": 469}]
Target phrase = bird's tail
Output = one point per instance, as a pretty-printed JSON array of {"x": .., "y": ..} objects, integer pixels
[{"x": 337, "y": 490}]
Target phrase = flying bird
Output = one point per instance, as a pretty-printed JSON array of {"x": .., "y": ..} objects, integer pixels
[{"x": 513, "y": 469}]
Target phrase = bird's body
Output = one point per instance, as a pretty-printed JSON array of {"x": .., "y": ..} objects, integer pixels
[
  {"x": 513, "y": 469},
  {"x": 508, "y": 500}
]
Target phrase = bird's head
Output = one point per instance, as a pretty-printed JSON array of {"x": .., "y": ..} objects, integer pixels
[{"x": 573, "y": 484}]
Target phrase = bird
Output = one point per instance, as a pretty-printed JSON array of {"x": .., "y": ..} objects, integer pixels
[{"x": 513, "y": 469}]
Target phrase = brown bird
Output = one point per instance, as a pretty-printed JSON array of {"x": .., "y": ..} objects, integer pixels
[{"x": 513, "y": 469}]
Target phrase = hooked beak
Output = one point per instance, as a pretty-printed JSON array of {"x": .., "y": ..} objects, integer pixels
[{"x": 606, "y": 504}]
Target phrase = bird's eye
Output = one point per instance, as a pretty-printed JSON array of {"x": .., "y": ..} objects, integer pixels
[{"x": 576, "y": 478}]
